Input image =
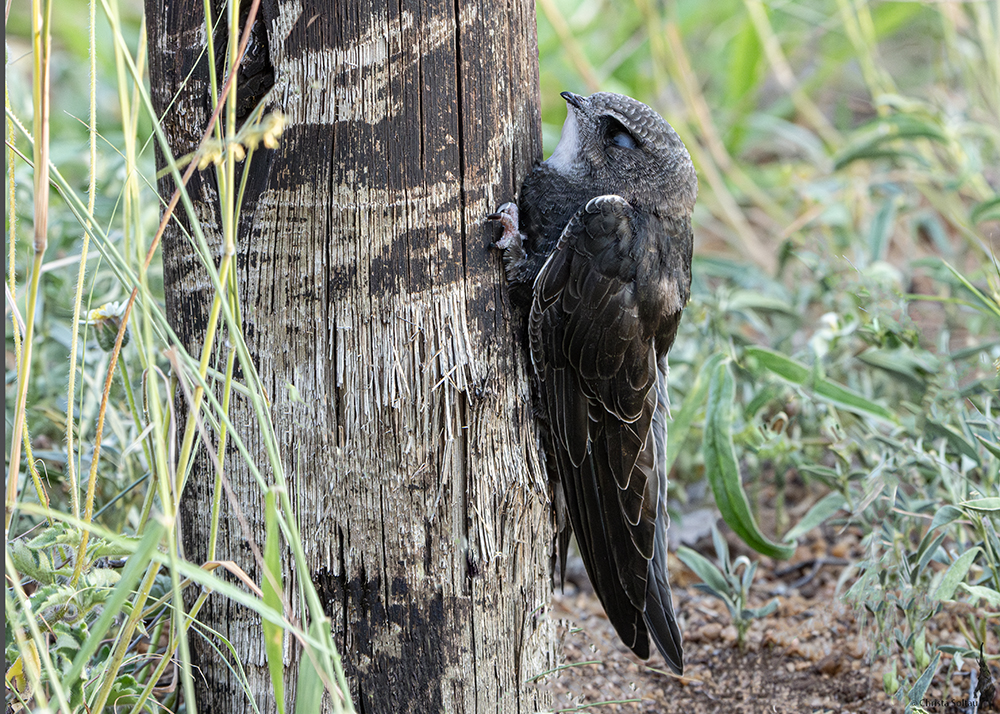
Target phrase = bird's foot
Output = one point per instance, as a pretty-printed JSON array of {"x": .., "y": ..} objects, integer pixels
[
  {"x": 511, "y": 242},
  {"x": 507, "y": 216}
]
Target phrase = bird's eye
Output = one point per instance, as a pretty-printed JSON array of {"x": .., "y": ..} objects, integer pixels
[{"x": 622, "y": 139}]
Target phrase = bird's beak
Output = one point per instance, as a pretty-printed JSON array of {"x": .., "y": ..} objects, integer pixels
[{"x": 575, "y": 99}]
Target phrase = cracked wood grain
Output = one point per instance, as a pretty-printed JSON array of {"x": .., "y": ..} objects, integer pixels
[{"x": 368, "y": 284}]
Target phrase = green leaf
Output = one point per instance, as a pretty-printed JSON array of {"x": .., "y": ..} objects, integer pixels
[
  {"x": 990, "y": 446},
  {"x": 904, "y": 362},
  {"x": 745, "y": 56},
  {"x": 945, "y": 515},
  {"x": 954, "y": 575},
  {"x": 881, "y": 229},
  {"x": 986, "y": 211},
  {"x": 820, "y": 511},
  {"x": 939, "y": 430},
  {"x": 988, "y": 304},
  {"x": 757, "y": 612},
  {"x": 704, "y": 569},
  {"x": 919, "y": 687},
  {"x": 872, "y": 140},
  {"x": 989, "y": 505},
  {"x": 928, "y": 547},
  {"x": 134, "y": 569},
  {"x": 680, "y": 427},
  {"x": 309, "y": 690},
  {"x": 755, "y": 300},
  {"x": 723, "y": 471},
  {"x": 978, "y": 592},
  {"x": 797, "y": 373},
  {"x": 125, "y": 691},
  {"x": 271, "y": 588}
]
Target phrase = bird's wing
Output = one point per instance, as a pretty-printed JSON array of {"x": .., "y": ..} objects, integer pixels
[{"x": 597, "y": 371}]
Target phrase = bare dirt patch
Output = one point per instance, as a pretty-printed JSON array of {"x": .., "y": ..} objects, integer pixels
[{"x": 809, "y": 656}]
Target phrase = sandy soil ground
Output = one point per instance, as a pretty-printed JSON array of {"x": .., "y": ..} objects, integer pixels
[{"x": 811, "y": 655}]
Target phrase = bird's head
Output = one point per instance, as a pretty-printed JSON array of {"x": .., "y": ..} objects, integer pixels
[{"x": 619, "y": 145}]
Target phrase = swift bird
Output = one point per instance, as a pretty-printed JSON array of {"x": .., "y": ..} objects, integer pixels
[{"x": 598, "y": 252}]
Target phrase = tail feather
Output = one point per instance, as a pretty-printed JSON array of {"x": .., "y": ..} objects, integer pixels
[{"x": 659, "y": 612}]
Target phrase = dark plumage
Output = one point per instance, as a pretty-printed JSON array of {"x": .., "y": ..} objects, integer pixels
[{"x": 599, "y": 253}]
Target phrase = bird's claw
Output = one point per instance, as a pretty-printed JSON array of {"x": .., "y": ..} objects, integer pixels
[{"x": 507, "y": 216}]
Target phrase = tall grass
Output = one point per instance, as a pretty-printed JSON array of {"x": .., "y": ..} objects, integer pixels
[{"x": 98, "y": 619}]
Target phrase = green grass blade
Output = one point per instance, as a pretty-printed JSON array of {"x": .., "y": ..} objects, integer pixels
[
  {"x": 986, "y": 211},
  {"x": 988, "y": 304},
  {"x": 271, "y": 587},
  {"x": 134, "y": 568},
  {"x": 309, "y": 690}
]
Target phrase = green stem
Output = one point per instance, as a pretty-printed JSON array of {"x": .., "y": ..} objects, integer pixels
[
  {"x": 136, "y": 419},
  {"x": 110, "y": 675},
  {"x": 167, "y": 657}
]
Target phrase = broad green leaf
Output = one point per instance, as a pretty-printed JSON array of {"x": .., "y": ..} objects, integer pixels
[
  {"x": 990, "y": 505},
  {"x": 797, "y": 373},
  {"x": 680, "y": 427},
  {"x": 990, "y": 446},
  {"x": 723, "y": 471},
  {"x": 744, "y": 63},
  {"x": 954, "y": 575},
  {"x": 945, "y": 515},
  {"x": 850, "y": 400},
  {"x": 820, "y": 511},
  {"x": 271, "y": 588},
  {"x": 978, "y": 592}
]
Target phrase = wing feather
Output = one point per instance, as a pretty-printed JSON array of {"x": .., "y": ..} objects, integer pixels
[{"x": 597, "y": 369}]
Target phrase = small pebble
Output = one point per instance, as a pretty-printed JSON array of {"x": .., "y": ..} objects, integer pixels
[
  {"x": 831, "y": 665},
  {"x": 710, "y": 632}
]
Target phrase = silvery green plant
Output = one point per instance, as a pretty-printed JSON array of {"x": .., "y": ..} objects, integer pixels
[{"x": 723, "y": 581}]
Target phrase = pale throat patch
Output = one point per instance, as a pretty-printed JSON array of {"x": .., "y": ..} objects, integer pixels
[{"x": 566, "y": 156}]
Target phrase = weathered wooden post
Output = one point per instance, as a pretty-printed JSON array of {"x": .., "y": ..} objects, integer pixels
[{"x": 368, "y": 283}]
